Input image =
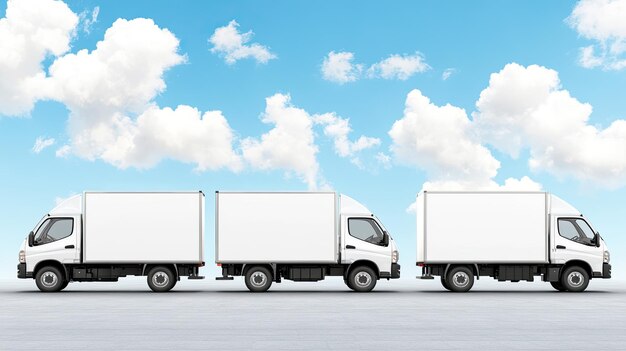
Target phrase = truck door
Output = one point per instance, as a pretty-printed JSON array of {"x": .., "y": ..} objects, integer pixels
[
  {"x": 363, "y": 239},
  {"x": 574, "y": 239},
  {"x": 56, "y": 238}
]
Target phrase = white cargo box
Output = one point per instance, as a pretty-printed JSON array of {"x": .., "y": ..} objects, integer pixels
[
  {"x": 482, "y": 227},
  {"x": 143, "y": 227},
  {"x": 276, "y": 227}
]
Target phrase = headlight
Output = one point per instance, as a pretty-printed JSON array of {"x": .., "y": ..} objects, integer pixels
[
  {"x": 23, "y": 256},
  {"x": 395, "y": 256},
  {"x": 607, "y": 257}
]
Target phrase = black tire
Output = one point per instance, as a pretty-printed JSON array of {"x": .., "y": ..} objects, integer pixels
[
  {"x": 258, "y": 279},
  {"x": 575, "y": 279},
  {"x": 558, "y": 286},
  {"x": 444, "y": 283},
  {"x": 345, "y": 280},
  {"x": 460, "y": 279},
  {"x": 50, "y": 279},
  {"x": 362, "y": 279},
  {"x": 65, "y": 283},
  {"x": 161, "y": 279}
]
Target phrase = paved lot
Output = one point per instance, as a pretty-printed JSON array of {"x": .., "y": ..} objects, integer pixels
[{"x": 399, "y": 315}]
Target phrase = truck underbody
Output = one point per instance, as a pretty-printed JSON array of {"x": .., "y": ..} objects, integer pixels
[
  {"x": 553, "y": 273},
  {"x": 310, "y": 272}
]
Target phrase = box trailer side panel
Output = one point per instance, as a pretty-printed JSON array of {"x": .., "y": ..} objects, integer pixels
[
  {"x": 276, "y": 227},
  {"x": 143, "y": 227},
  {"x": 419, "y": 211},
  {"x": 492, "y": 227}
]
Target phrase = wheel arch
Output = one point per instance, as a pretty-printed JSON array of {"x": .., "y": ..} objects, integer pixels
[
  {"x": 366, "y": 263},
  {"x": 580, "y": 263}
]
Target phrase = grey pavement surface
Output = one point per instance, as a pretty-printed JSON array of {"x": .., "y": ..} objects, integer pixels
[{"x": 399, "y": 315}]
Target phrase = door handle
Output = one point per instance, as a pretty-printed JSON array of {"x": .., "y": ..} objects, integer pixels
[
  {"x": 69, "y": 246},
  {"x": 350, "y": 247},
  {"x": 560, "y": 247}
]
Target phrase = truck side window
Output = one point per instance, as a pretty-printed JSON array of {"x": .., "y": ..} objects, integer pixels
[
  {"x": 366, "y": 229},
  {"x": 577, "y": 230},
  {"x": 54, "y": 229}
]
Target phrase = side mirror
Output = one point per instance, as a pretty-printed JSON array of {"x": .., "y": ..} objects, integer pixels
[
  {"x": 385, "y": 239},
  {"x": 596, "y": 239},
  {"x": 31, "y": 239}
]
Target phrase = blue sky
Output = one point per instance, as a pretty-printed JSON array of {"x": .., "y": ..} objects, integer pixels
[{"x": 473, "y": 40}]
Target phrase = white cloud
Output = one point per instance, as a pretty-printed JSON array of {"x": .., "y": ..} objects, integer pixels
[
  {"x": 63, "y": 151},
  {"x": 30, "y": 31},
  {"x": 42, "y": 143},
  {"x": 88, "y": 20},
  {"x": 338, "y": 129},
  {"x": 113, "y": 117},
  {"x": 338, "y": 67},
  {"x": 447, "y": 73},
  {"x": 601, "y": 21},
  {"x": 233, "y": 45},
  {"x": 441, "y": 141},
  {"x": 383, "y": 159},
  {"x": 525, "y": 107},
  {"x": 289, "y": 146},
  {"x": 398, "y": 67}
]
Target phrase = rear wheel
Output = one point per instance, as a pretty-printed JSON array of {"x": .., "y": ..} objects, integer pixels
[
  {"x": 161, "y": 279},
  {"x": 50, "y": 279},
  {"x": 575, "y": 279},
  {"x": 258, "y": 279},
  {"x": 444, "y": 283},
  {"x": 362, "y": 279},
  {"x": 558, "y": 286},
  {"x": 460, "y": 279}
]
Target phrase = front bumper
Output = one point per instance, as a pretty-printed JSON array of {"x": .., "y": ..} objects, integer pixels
[
  {"x": 21, "y": 271},
  {"x": 395, "y": 271},
  {"x": 606, "y": 271}
]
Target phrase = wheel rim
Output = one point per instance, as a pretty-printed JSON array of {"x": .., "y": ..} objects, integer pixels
[
  {"x": 460, "y": 279},
  {"x": 575, "y": 279},
  {"x": 49, "y": 279},
  {"x": 362, "y": 279},
  {"x": 160, "y": 279},
  {"x": 258, "y": 279}
]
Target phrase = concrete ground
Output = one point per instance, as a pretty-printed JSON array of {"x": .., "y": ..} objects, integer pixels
[{"x": 398, "y": 315}]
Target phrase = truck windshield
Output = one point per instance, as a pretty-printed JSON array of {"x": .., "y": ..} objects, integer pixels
[
  {"x": 577, "y": 230},
  {"x": 366, "y": 229}
]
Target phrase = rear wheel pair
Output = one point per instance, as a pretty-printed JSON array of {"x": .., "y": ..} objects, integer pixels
[
  {"x": 458, "y": 279},
  {"x": 161, "y": 279}
]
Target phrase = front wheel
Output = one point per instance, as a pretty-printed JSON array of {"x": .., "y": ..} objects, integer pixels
[
  {"x": 258, "y": 279},
  {"x": 460, "y": 279},
  {"x": 575, "y": 279},
  {"x": 161, "y": 279},
  {"x": 50, "y": 279},
  {"x": 362, "y": 279}
]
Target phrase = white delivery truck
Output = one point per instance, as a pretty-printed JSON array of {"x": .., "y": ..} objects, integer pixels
[
  {"x": 510, "y": 236},
  {"x": 301, "y": 236},
  {"x": 101, "y": 236}
]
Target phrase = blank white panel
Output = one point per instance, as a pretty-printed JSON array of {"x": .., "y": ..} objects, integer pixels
[
  {"x": 485, "y": 227},
  {"x": 143, "y": 227},
  {"x": 276, "y": 227}
]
